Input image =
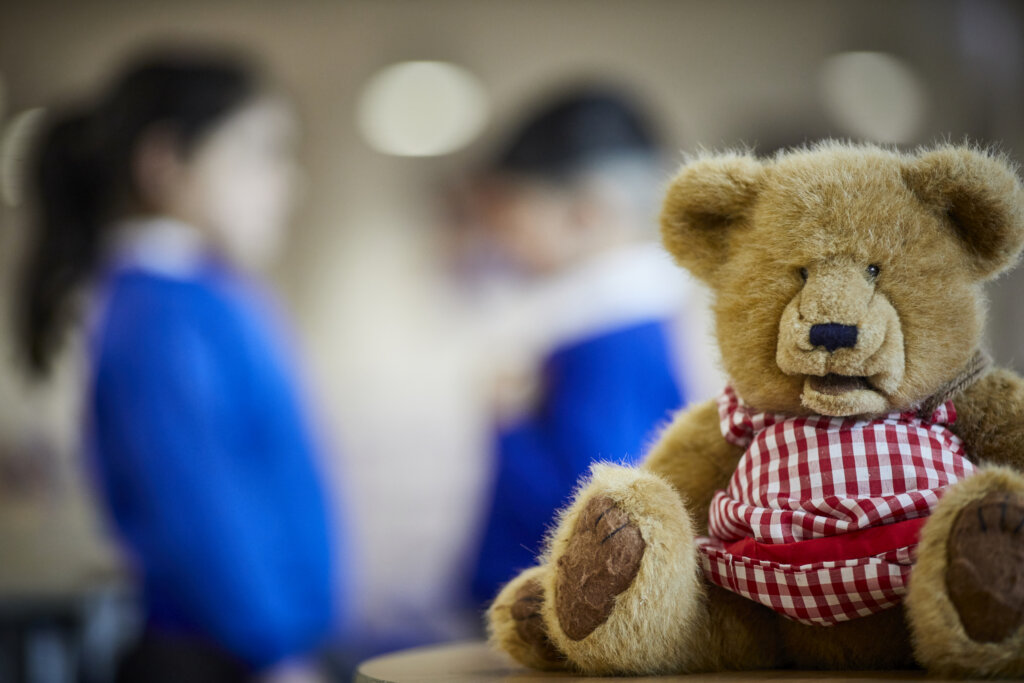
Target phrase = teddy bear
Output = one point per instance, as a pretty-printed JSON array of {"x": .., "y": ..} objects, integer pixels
[{"x": 855, "y": 496}]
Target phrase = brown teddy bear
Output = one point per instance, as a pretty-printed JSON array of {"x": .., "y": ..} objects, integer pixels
[{"x": 855, "y": 497}]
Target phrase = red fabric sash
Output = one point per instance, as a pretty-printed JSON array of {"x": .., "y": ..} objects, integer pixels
[{"x": 849, "y": 546}]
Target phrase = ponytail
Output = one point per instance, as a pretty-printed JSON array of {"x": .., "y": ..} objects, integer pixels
[
  {"x": 64, "y": 246},
  {"x": 82, "y": 176}
]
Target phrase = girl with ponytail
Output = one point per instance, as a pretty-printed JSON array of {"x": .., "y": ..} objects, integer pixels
[{"x": 153, "y": 206}]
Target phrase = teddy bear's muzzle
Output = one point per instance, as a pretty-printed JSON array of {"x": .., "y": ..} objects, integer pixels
[{"x": 851, "y": 357}]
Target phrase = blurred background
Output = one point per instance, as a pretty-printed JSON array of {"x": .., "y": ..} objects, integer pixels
[{"x": 400, "y": 352}]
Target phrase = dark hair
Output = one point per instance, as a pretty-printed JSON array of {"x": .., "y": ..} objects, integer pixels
[
  {"x": 573, "y": 130},
  {"x": 81, "y": 176}
]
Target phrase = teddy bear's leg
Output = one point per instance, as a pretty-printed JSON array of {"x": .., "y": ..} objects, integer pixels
[
  {"x": 624, "y": 592},
  {"x": 966, "y": 597}
]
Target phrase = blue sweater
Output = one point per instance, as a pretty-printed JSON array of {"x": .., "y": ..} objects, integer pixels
[
  {"x": 207, "y": 463},
  {"x": 604, "y": 399}
]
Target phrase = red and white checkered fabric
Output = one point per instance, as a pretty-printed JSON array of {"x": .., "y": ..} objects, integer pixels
[{"x": 820, "y": 519}]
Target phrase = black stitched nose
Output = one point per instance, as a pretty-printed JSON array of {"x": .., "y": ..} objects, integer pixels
[{"x": 834, "y": 336}]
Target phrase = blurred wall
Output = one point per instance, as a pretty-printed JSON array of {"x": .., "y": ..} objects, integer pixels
[{"x": 390, "y": 354}]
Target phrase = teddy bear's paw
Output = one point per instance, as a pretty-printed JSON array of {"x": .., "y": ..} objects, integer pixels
[
  {"x": 985, "y": 574},
  {"x": 966, "y": 592},
  {"x": 624, "y": 594},
  {"x": 600, "y": 562},
  {"x": 529, "y": 622},
  {"x": 516, "y": 622}
]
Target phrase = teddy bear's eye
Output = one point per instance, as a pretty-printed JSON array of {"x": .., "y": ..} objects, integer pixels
[
  {"x": 873, "y": 271},
  {"x": 803, "y": 274}
]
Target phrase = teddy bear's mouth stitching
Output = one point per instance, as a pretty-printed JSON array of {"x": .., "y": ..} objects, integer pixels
[{"x": 834, "y": 384}]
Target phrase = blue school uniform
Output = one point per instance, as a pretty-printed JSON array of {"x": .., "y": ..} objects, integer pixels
[
  {"x": 603, "y": 397},
  {"x": 205, "y": 458}
]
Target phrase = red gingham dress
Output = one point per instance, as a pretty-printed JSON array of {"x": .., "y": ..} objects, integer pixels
[{"x": 821, "y": 518}]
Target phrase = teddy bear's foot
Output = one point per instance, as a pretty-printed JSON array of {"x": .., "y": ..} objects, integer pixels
[
  {"x": 966, "y": 596},
  {"x": 517, "y": 624},
  {"x": 626, "y": 594},
  {"x": 985, "y": 577}
]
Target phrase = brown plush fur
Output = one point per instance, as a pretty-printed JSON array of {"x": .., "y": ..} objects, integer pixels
[
  {"x": 989, "y": 418},
  {"x": 898, "y": 245}
]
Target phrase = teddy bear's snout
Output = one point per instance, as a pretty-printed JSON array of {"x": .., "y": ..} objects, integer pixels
[{"x": 846, "y": 340}]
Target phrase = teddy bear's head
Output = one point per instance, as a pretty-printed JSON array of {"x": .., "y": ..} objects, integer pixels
[{"x": 847, "y": 279}]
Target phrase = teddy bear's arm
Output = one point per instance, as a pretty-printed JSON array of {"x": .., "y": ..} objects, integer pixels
[
  {"x": 990, "y": 419},
  {"x": 692, "y": 455}
]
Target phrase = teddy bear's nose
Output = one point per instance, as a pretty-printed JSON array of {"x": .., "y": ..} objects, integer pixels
[{"x": 834, "y": 336}]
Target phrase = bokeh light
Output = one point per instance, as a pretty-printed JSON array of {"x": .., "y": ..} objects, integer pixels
[
  {"x": 419, "y": 109},
  {"x": 873, "y": 96}
]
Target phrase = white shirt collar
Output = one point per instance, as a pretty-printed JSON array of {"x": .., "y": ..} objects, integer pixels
[
  {"x": 613, "y": 290},
  {"x": 157, "y": 244}
]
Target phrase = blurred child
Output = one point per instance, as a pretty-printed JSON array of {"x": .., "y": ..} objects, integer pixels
[
  {"x": 590, "y": 371},
  {"x": 154, "y": 203}
]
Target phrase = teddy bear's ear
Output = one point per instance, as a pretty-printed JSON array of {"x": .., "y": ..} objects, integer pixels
[
  {"x": 704, "y": 200},
  {"x": 981, "y": 195}
]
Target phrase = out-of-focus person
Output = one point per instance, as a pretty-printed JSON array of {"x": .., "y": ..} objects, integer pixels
[
  {"x": 156, "y": 204},
  {"x": 590, "y": 312}
]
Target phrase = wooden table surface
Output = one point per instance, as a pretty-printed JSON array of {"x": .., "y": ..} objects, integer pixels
[{"x": 475, "y": 661}]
